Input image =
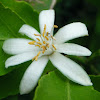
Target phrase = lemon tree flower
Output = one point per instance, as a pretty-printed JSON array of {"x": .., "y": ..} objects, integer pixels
[{"x": 44, "y": 47}]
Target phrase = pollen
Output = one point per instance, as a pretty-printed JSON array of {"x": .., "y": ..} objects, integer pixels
[
  {"x": 55, "y": 26},
  {"x": 53, "y": 46},
  {"x": 32, "y": 43}
]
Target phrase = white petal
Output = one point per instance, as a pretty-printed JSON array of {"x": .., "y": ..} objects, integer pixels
[
  {"x": 70, "y": 69},
  {"x": 71, "y": 31},
  {"x": 46, "y": 17},
  {"x": 20, "y": 58},
  {"x": 32, "y": 75},
  {"x": 18, "y": 45},
  {"x": 73, "y": 49},
  {"x": 29, "y": 31}
]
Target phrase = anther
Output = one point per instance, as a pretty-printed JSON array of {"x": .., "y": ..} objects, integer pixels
[
  {"x": 38, "y": 53},
  {"x": 33, "y": 58},
  {"x": 55, "y": 26},
  {"x": 44, "y": 42},
  {"x": 39, "y": 43},
  {"x": 32, "y": 43},
  {"x": 43, "y": 52},
  {"x": 53, "y": 37},
  {"x": 47, "y": 33},
  {"x": 47, "y": 45},
  {"x": 37, "y": 34},
  {"x": 36, "y": 58},
  {"x": 38, "y": 39},
  {"x": 53, "y": 46},
  {"x": 44, "y": 30},
  {"x": 46, "y": 38},
  {"x": 44, "y": 48}
]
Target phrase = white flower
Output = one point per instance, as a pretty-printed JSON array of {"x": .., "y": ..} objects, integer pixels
[{"x": 46, "y": 47}]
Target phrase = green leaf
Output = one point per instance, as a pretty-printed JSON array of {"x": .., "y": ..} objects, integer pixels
[
  {"x": 9, "y": 26},
  {"x": 10, "y": 23},
  {"x": 23, "y": 10},
  {"x": 96, "y": 82},
  {"x": 9, "y": 84},
  {"x": 49, "y": 67},
  {"x": 15, "y": 97},
  {"x": 55, "y": 86}
]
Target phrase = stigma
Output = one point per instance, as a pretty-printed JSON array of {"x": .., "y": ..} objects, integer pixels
[{"x": 44, "y": 42}]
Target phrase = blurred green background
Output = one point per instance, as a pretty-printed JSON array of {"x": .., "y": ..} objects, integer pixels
[{"x": 88, "y": 12}]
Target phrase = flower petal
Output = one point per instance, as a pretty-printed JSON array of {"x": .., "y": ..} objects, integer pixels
[
  {"x": 73, "y": 49},
  {"x": 20, "y": 58},
  {"x": 70, "y": 69},
  {"x": 29, "y": 31},
  {"x": 70, "y": 31},
  {"x": 32, "y": 75},
  {"x": 46, "y": 17},
  {"x": 18, "y": 45}
]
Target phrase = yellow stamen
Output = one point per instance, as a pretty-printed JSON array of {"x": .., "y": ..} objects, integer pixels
[
  {"x": 32, "y": 43},
  {"x": 55, "y": 26},
  {"x": 36, "y": 58},
  {"x": 47, "y": 33},
  {"x": 46, "y": 38},
  {"x": 47, "y": 45},
  {"x": 33, "y": 58},
  {"x": 43, "y": 52},
  {"x": 44, "y": 48},
  {"x": 39, "y": 43},
  {"x": 37, "y": 34},
  {"x": 44, "y": 30},
  {"x": 44, "y": 42},
  {"x": 53, "y": 37},
  {"x": 53, "y": 46},
  {"x": 38, "y": 53},
  {"x": 38, "y": 39}
]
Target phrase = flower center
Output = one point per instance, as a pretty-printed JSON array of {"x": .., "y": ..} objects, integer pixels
[{"x": 44, "y": 42}]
